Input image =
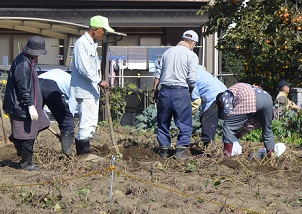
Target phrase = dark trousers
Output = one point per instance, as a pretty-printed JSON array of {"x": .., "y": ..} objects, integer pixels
[
  {"x": 58, "y": 105},
  {"x": 264, "y": 110},
  {"x": 174, "y": 103},
  {"x": 209, "y": 121},
  {"x": 265, "y": 114}
]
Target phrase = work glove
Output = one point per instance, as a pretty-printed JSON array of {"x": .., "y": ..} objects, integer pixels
[
  {"x": 155, "y": 96},
  {"x": 33, "y": 112},
  {"x": 195, "y": 106}
]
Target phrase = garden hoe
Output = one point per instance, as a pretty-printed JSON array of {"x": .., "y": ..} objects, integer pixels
[
  {"x": 107, "y": 109},
  {"x": 54, "y": 132},
  {"x": 2, "y": 118}
]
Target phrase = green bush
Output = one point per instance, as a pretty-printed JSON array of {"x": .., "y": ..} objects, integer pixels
[
  {"x": 287, "y": 129},
  {"x": 117, "y": 100}
]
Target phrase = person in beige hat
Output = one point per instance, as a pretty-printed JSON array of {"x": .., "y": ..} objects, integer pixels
[
  {"x": 23, "y": 101},
  {"x": 86, "y": 81},
  {"x": 282, "y": 99}
]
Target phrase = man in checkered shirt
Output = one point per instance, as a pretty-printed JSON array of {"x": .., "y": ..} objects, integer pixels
[{"x": 237, "y": 105}]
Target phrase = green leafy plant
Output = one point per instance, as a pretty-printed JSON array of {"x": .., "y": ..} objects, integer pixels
[
  {"x": 117, "y": 100},
  {"x": 287, "y": 129},
  {"x": 84, "y": 193},
  {"x": 190, "y": 168},
  {"x": 148, "y": 121}
]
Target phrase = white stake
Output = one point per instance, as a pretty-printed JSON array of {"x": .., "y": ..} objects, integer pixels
[{"x": 112, "y": 176}]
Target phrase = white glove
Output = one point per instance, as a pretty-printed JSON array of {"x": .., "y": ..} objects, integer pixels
[{"x": 33, "y": 112}]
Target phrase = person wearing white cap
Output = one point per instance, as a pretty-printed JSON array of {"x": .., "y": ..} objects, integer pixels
[
  {"x": 86, "y": 81},
  {"x": 176, "y": 76},
  {"x": 23, "y": 101}
]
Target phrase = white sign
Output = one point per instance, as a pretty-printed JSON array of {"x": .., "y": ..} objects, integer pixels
[{"x": 5, "y": 60}]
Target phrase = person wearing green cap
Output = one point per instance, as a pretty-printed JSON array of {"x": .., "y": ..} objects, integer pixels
[{"x": 86, "y": 81}]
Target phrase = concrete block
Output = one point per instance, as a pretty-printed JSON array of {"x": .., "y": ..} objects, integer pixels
[{"x": 296, "y": 95}]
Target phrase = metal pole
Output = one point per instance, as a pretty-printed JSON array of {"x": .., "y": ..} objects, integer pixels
[{"x": 112, "y": 176}]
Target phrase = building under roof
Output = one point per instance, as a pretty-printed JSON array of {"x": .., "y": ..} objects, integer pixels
[{"x": 139, "y": 19}]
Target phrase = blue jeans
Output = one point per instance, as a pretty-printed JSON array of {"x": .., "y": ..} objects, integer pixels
[{"x": 174, "y": 103}]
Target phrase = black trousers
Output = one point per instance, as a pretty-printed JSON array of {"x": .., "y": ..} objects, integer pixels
[
  {"x": 209, "y": 121},
  {"x": 57, "y": 103}
]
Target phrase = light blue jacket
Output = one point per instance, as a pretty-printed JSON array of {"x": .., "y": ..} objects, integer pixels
[
  {"x": 206, "y": 87},
  {"x": 85, "y": 74},
  {"x": 62, "y": 79}
]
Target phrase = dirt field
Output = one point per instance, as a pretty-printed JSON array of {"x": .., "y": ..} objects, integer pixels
[{"x": 144, "y": 183}]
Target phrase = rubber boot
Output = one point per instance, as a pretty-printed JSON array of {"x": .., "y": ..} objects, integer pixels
[
  {"x": 163, "y": 152},
  {"x": 180, "y": 153},
  {"x": 82, "y": 146},
  {"x": 17, "y": 144},
  {"x": 27, "y": 155},
  {"x": 227, "y": 149},
  {"x": 67, "y": 144},
  {"x": 270, "y": 153}
]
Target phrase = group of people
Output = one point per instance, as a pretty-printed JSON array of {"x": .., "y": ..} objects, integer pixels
[
  {"x": 180, "y": 82},
  {"x": 26, "y": 94}
]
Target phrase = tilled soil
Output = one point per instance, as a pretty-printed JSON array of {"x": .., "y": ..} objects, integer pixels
[{"x": 144, "y": 183}]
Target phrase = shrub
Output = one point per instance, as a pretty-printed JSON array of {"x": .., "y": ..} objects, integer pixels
[{"x": 287, "y": 129}]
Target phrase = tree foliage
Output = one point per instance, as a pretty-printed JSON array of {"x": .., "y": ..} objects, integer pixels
[{"x": 263, "y": 36}]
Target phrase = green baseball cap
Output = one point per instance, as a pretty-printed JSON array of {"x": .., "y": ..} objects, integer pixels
[{"x": 101, "y": 21}]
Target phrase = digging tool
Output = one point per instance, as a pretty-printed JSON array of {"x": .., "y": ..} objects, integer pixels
[
  {"x": 2, "y": 117},
  {"x": 107, "y": 108},
  {"x": 3, "y": 124},
  {"x": 54, "y": 132}
]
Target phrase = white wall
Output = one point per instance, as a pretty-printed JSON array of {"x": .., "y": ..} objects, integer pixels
[
  {"x": 5, "y": 43},
  {"x": 12, "y": 45}
]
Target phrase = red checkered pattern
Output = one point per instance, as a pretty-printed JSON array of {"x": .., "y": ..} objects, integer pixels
[{"x": 244, "y": 98}]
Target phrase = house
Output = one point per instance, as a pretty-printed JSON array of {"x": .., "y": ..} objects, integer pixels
[{"x": 151, "y": 27}]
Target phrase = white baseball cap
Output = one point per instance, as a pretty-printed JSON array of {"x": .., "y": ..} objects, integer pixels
[{"x": 190, "y": 34}]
